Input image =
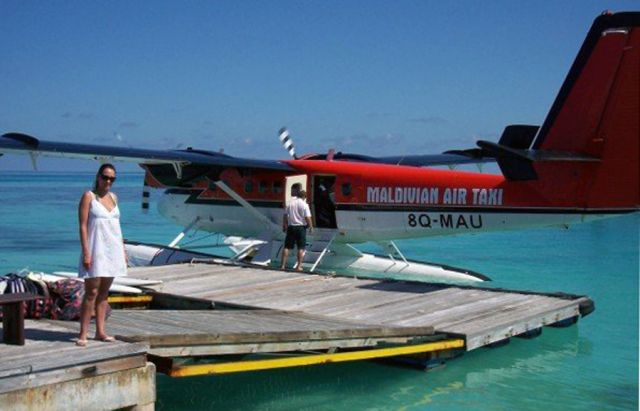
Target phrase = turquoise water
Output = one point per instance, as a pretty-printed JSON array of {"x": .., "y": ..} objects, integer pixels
[{"x": 593, "y": 365}]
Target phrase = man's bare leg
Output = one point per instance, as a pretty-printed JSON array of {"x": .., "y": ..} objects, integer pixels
[
  {"x": 300, "y": 257},
  {"x": 285, "y": 256}
]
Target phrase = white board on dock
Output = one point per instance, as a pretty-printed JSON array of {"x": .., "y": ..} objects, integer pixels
[
  {"x": 116, "y": 288},
  {"x": 134, "y": 282}
]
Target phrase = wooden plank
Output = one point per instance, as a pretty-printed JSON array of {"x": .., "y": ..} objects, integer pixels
[
  {"x": 57, "y": 376},
  {"x": 226, "y": 349},
  {"x": 243, "y": 282},
  {"x": 414, "y": 305},
  {"x": 461, "y": 311},
  {"x": 296, "y": 294},
  {"x": 17, "y": 298},
  {"x": 288, "y": 300},
  {"x": 264, "y": 286},
  {"x": 507, "y": 309},
  {"x": 363, "y": 305},
  {"x": 273, "y": 337},
  {"x": 172, "y": 269},
  {"x": 178, "y": 272},
  {"x": 40, "y": 335},
  {"x": 68, "y": 354},
  {"x": 210, "y": 326},
  {"x": 162, "y": 328},
  {"x": 111, "y": 390},
  {"x": 498, "y": 333},
  {"x": 515, "y": 314}
]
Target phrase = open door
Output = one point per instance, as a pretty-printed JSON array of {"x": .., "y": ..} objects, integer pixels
[
  {"x": 324, "y": 207},
  {"x": 290, "y": 181}
]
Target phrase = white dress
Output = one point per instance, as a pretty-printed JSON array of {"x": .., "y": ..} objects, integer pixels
[{"x": 104, "y": 239}]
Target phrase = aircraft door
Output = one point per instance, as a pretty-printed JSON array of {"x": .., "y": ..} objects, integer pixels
[
  {"x": 290, "y": 181},
  {"x": 324, "y": 203}
]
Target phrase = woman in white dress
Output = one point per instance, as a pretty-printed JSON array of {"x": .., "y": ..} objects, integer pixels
[{"x": 103, "y": 255}]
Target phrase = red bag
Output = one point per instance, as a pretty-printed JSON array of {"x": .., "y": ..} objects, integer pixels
[{"x": 67, "y": 299}]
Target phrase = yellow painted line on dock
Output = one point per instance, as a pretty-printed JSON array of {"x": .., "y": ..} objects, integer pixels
[
  {"x": 298, "y": 361},
  {"x": 131, "y": 299}
]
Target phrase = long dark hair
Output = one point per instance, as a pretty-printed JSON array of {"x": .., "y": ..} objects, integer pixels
[{"x": 100, "y": 170}]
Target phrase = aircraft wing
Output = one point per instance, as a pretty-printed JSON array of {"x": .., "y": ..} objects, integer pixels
[
  {"x": 448, "y": 158},
  {"x": 18, "y": 143}
]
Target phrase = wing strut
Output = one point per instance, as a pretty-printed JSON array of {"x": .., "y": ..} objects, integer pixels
[
  {"x": 392, "y": 251},
  {"x": 177, "y": 166},
  {"x": 180, "y": 236},
  {"x": 273, "y": 228},
  {"x": 34, "y": 157}
]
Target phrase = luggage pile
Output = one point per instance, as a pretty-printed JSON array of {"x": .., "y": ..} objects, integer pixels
[{"x": 61, "y": 300}]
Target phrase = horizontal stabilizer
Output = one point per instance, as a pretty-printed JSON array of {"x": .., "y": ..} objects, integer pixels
[
  {"x": 517, "y": 164},
  {"x": 514, "y": 164},
  {"x": 518, "y": 136}
]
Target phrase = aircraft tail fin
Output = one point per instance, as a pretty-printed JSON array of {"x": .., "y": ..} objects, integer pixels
[{"x": 589, "y": 144}]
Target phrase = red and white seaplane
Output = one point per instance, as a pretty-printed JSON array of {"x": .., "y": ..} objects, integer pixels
[{"x": 581, "y": 164}]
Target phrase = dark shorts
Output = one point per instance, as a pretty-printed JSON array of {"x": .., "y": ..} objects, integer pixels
[{"x": 296, "y": 236}]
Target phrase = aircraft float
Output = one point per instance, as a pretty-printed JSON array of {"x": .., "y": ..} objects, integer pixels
[{"x": 581, "y": 164}]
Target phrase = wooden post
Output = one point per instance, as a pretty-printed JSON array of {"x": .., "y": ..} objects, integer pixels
[{"x": 13, "y": 317}]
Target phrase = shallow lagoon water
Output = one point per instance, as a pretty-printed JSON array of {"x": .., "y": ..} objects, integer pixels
[{"x": 593, "y": 365}]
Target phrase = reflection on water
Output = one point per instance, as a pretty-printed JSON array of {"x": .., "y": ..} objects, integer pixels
[
  {"x": 471, "y": 379},
  {"x": 529, "y": 357}
]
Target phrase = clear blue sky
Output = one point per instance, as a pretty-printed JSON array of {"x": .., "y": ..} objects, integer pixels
[{"x": 374, "y": 77}]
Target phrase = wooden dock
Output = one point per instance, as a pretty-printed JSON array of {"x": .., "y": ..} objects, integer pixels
[
  {"x": 481, "y": 316},
  {"x": 226, "y": 314},
  {"x": 50, "y": 372},
  {"x": 190, "y": 333},
  {"x": 229, "y": 333}
]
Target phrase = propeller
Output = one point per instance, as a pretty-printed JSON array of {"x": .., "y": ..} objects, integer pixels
[{"x": 286, "y": 141}]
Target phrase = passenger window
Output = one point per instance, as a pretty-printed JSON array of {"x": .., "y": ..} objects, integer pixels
[
  {"x": 212, "y": 185},
  {"x": 277, "y": 187},
  {"x": 248, "y": 186},
  {"x": 262, "y": 187},
  {"x": 346, "y": 189}
]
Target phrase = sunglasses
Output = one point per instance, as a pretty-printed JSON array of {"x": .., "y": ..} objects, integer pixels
[{"x": 108, "y": 178}]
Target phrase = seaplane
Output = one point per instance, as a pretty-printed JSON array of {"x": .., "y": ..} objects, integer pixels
[{"x": 581, "y": 164}]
